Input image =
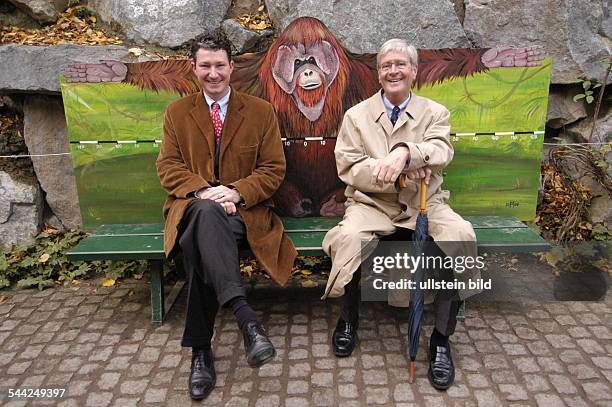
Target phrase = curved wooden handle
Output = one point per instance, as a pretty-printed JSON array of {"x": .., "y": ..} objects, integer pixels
[
  {"x": 403, "y": 184},
  {"x": 423, "y": 196}
]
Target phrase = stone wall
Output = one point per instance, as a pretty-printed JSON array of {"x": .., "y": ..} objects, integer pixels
[{"x": 575, "y": 33}]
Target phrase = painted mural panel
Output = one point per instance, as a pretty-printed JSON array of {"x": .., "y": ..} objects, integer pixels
[{"x": 497, "y": 99}]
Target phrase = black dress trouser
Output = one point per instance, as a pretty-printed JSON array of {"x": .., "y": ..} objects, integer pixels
[{"x": 209, "y": 240}]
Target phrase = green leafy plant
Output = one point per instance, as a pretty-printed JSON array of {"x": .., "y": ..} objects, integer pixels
[
  {"x": 588, "y": 91},
  {"x": 44, "y": 263}
]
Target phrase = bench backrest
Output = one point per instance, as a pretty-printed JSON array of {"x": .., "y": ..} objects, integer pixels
[{"x": 497, "y": 118}]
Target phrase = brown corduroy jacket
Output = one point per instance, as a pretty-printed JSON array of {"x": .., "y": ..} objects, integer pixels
[{"x": 251, "y": 159}]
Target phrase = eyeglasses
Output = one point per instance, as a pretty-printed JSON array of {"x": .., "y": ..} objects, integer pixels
[{"x": 400, "y": 65}]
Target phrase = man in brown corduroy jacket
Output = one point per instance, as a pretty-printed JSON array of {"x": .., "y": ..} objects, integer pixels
[{"x": 221, "y": 161}]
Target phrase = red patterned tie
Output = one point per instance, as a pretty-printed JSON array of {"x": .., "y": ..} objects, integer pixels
[{"x": 216, "y": 120}]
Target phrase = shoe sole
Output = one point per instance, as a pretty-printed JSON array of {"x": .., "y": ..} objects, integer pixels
[
  {"x": 203, "y": 396},
  {"x": 261, "y": 358},
  {"x": 438, "y": 386},
  {"x": 346, "y": 354}
]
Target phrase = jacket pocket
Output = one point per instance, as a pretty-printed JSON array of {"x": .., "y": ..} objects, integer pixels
[{"x": 247, "y": 159}]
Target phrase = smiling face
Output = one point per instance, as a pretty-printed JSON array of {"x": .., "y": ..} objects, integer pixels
[
  {"x": 213, "y": 70},
  {"x": 396, "y": 76}
]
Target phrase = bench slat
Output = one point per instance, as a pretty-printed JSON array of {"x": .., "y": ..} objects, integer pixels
[
  {"x": 316, "y": 224},
  {"x": 114, "y": 242}
]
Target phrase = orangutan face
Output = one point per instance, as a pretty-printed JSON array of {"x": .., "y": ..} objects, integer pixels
[
  {"x": 396, "y": 76},
  {"x": 213, "y": 70}
]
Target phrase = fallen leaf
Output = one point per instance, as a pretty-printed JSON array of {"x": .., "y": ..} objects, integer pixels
[
  {"x": 135, "y": 51},
  {"x": 306, "y": 272},
  {"x": 2, "y": 298},
  {"x": 137, "y": 276},
  {"x": 309, "y": 284},
  {"x": 108, "y": 282},
  {"x": 43, "y": 258}
]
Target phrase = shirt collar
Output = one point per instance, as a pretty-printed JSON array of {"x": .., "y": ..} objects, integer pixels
[
  {"x": 222, "y": 102},
  {"x": 389, "y": 106}
]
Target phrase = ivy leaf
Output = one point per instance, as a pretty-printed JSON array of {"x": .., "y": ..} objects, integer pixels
[
  {"x": 578, "y": 97},
  {"x": 586, "y": 85},
  {"x": 590, "y": 99}
]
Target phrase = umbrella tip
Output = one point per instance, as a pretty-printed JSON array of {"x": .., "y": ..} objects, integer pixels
[{"x": 411, "y": 371}]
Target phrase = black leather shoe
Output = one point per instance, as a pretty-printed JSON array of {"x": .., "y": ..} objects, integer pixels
[
  {"x": 202, "y": 378},
  {"x": 258, "y": 348},
  {"x": 344, "y": 338},
  {"x": 441, "y": 372}
]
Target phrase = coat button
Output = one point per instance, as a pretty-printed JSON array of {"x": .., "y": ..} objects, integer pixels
[{"x": 426, "y": 158}]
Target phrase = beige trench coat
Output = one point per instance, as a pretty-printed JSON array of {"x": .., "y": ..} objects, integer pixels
[{"x": 373, "y": 211}]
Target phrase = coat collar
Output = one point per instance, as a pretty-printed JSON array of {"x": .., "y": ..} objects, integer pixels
[
  {"x": 200, "y": 113},
  {"x": 379, "y": 112}
]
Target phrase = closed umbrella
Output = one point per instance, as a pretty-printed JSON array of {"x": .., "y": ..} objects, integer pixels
[{"x": 415, "y": 307}]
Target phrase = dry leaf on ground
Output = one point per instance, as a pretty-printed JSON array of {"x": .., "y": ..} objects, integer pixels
[{"x": 108, "y": 282}]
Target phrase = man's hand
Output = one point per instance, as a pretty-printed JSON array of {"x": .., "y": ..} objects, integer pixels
[
  {"x": 230, "y": 207},
  {"x": 222, "y": 195},
  {"x": 389, "y": 168},
  {"x": 419, "y": 173}
]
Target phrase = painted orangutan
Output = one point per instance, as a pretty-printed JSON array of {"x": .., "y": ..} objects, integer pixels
[{"x": 311, "y": 80}]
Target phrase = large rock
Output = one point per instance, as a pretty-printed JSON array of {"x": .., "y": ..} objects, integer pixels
[
  {"x": 570, "y": 30},
  {"x": 163, "y": 22},
  {"x": 363, "y": 25},
  {"x": 562, "y": 110},
  {"x": 21, "y": 209},
  {"x": 46, "y": 135},
  {"x": 45, "y": 11},
  {"x": 34, "y": 69},
  {"x": 242, "y": 38},
  {"x": 581, "y": 130}
]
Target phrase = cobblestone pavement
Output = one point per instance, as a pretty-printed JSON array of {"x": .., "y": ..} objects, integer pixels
[{"x": 98, "y": 344}]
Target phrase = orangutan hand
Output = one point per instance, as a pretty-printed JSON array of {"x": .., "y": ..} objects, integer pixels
[
  {"x": 106, "y": 71},
  {"x": 510, "y": 57}
]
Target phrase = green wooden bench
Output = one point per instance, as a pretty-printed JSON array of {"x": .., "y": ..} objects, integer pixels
[{"x": 495, "y": 234}]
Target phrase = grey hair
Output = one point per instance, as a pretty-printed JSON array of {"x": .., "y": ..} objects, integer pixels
[{"x": 398, "y": 45}]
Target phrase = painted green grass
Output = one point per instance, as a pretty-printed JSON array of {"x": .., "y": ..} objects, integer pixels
[
  {"x": 123, "y": 189},
  {"x": 503, "y": 99},
  {"x": 114, "y": 111}
]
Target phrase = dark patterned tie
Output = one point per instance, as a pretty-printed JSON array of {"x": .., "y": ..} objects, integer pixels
[
  {"x": 216, "y": 120},
  {"x": 394, "y": 114}
]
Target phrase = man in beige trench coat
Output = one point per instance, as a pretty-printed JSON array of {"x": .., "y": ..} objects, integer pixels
[
  {"x": 220, "y": 162},
  {"x": 395, "y": 131}
]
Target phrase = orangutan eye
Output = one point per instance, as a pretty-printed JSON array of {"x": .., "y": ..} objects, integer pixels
[
  {"x": 297, "y": 64},
  {"x": 312, "y": 61}
]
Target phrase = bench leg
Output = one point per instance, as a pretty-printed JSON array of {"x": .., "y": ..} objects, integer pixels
[
  {"x": 461, "y": 312},
  {"x": 157, "y": 292}
]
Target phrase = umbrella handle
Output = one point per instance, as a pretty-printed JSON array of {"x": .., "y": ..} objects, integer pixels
[
  {"x": 403, "y": 183},
  {"x": 423, "y": 196}
]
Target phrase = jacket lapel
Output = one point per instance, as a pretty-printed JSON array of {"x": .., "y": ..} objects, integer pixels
[
  {"x": 201, "y": 116},
  {"x": 233, "y": 120},
  {"x": 379, "y": 114}
]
